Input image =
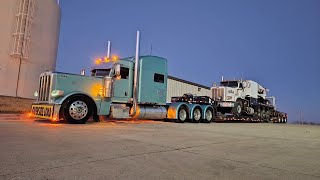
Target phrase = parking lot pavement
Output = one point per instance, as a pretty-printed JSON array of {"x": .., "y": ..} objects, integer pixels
[{"x": 143, "y": 149}]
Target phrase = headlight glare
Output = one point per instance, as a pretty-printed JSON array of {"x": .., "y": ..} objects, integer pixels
[{"x": 57, "y": 93}]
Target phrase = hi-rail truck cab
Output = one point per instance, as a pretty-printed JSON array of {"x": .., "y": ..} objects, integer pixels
[
  {"x": 245, "y": 100},
  {"x": 134, "y": 87}
]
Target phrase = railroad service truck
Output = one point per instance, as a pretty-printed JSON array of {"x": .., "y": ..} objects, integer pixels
[
  {"x": 134, "y": 87},
  {"x": 246, "y": 99}
]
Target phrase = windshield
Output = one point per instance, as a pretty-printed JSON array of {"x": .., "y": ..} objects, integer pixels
[
  {"x": 230, "y": 84},
  {"x": 100, "y": 72}
]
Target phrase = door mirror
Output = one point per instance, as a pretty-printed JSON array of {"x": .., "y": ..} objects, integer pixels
[
  {"x": 240, "y": 86},
  {"x": 117, "y": 70},
  {"x": 83, "y": 72}
]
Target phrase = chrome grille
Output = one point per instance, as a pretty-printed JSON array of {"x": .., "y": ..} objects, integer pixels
[
  {"x": 216, "y": 93},
  {"x": 44, "y": 87}
]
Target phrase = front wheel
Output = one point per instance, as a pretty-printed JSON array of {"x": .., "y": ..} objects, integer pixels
[
  {"x": 77, "y": 110},
  {"x": 237, "y": 109}
]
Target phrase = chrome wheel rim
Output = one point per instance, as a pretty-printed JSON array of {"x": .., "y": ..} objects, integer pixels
[
  {"x": 182, "y": 114},
  {"x": 197, "y": 114},
  {"x": 208, "y": 115},
  {"x": 238, "y": 109},
  {"x": 78, "y": 110}
]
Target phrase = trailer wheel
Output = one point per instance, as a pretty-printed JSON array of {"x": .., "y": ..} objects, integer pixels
[
  {"x": 196, "y": 114},
  {"x": 285, "y": 120},
  {"x": 208, "y": 116},
  {"x": 76, "y": 110},
  {"x": 182, "y": 115}
]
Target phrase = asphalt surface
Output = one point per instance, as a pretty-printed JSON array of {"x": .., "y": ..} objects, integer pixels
[{"x": 33, "y": 149}]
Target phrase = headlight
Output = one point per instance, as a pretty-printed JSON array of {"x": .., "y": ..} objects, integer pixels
[
  {"x": 36, "y": 94},
  {"x": 57, "y": 93}
]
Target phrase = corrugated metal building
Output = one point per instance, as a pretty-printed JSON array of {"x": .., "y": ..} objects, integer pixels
[{"x": 178, "y": 87}]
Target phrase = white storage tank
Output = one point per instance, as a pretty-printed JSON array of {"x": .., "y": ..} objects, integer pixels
[
  {"x": 178, "y": 87},
  {"x": 29, "y": 36}
]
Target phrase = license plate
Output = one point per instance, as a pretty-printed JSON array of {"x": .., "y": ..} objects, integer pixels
[
  {"x": 226, "y": 104},
  {"x": 42, "y": 111}
]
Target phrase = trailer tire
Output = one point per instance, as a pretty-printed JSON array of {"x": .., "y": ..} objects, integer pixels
[
  {"x": 77, "y": 109},
  {"x": 284, "y": 120},
  {"x": 182, "y": 115},
  {"x": 208, "y": 116},
  {"x": 196, "y": 115}
]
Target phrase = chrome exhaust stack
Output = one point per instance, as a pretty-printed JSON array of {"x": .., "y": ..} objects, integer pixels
[{"x": 136, "y": 74}]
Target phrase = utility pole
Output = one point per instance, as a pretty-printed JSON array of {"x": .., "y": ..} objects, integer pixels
[{"x": 301, "y": 117}]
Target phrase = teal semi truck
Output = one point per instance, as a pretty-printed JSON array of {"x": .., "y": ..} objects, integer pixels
[{"x": 134, "y": 87}]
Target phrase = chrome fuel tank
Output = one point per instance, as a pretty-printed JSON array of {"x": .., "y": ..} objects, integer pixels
[{"x": 151, "y": 112}]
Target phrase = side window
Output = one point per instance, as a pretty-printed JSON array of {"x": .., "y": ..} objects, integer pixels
[
  {"x": 124, "y": 73},
  {"x": 158, "y": 78}
]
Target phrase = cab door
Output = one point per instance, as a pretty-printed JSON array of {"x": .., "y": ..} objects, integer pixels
[{"x": 122, "y": 86}]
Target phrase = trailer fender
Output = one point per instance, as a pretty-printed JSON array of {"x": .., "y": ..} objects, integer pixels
[
  {"x": 191, "y": 109},
  {"x": 173, "y": 109},
  {"x": 204, "y": 109}
]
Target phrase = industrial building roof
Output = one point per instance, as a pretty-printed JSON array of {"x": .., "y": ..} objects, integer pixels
[{"x": 188, "y": 82}]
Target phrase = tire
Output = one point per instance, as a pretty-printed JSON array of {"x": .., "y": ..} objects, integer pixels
[
  {"x": 284, "y": 120},
  {"x": 182, "y": 115},
  {"x": 197, "y": 115},
  {"x": 268, "y": 115},
  {"x": 77, "y": 109},
  {"x": 259, "y": 114},
  {"x": 263, "y": 115},
  {"x": 237, "y": 109},
  {"x": 208, "y": 116}
]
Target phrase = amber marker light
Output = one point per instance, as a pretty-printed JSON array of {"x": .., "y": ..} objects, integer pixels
[
  {"x": 98, "y": 61},
  {"x": 54, "y": 118},
  {"x": 106, "y": 59},
  {"x": 30, "y": 115},
  {"x": 115, "y": 58}
]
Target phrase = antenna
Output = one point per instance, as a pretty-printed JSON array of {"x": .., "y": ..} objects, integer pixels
[
  {"x": 109, "y": 49},
  {"x": 151, "y": 49}
]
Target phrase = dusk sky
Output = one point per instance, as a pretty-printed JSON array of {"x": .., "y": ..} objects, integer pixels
[{"x": 274, "y": 42}]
